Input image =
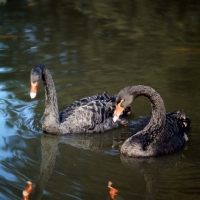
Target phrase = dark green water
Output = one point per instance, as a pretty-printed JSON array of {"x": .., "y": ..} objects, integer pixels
[{"x": 90, "y": 47}]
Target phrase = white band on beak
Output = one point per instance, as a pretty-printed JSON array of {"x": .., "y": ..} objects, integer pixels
[
  {"x": 32, "y": 95},
  {"x": 115, "y": 118}
]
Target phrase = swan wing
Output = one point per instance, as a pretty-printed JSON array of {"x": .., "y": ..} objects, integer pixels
[
  {"x": 90, "y": 118},
  {"x": 79, "y": 104},
  {"x": 89, "y": 115}
]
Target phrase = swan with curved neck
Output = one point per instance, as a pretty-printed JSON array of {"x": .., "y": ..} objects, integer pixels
[
  {"x": 156, "y": 135},
  {"x": 90, "y": 114}
]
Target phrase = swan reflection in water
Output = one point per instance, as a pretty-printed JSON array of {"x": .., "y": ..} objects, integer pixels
[
  {"x": 49, "y": 149},
  {"x": 150, "y": 168}
]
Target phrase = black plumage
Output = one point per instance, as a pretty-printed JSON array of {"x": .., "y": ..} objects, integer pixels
[
  {"x": 158, "y": 134},
  {"x": 87, "y": 115}
]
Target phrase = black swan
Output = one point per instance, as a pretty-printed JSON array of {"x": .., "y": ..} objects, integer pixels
[
  {"x": 157, "y": 134},
  {"x": 87, "y": 115}
]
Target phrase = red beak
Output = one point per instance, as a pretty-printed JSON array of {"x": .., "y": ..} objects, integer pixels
[
  {"x": 34, "y": 88},
  {"x": 118, "y": 111}
]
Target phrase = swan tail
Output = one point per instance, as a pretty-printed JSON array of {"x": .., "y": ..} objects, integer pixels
[{"x": 184, "y": 122}]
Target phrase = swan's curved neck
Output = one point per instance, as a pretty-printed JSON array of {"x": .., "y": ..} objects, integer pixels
[
  {"x": 158, "y": 116},
  {"x": 51, "y": 115}
]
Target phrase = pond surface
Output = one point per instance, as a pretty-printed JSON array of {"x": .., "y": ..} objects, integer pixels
[{"x": 91, "y": 47}]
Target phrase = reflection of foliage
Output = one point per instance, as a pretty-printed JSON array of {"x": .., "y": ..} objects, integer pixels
[
  {"x": 2, "y": 1},
  {"x": 139, "y": 19}
]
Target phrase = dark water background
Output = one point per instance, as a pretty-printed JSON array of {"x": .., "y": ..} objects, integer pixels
[{"x": 90, "y": 47}]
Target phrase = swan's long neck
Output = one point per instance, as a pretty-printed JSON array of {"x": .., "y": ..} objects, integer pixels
[
  {"x": 158, "y": 116},
  {"x": 51, "y": 115}
]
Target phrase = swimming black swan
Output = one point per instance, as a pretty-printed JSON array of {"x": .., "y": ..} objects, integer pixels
[
  {"x": 87, "y": 115},
  {"x": 156, "y": 135}
]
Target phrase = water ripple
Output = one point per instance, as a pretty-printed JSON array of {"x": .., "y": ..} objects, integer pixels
[{"x": 6, "y": 70}]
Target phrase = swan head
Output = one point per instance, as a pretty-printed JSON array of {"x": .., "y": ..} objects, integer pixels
[
  {"x": 35, "y": 76},
  {"x": 123, "y": 101}
]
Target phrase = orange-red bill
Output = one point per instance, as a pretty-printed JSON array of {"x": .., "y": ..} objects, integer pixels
[
  {"x": 27, "y": 191},
  {"x": 113, "y": 192},
  {"x": 118, "y": 111},
  {"x": 33, "y": 92}
]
